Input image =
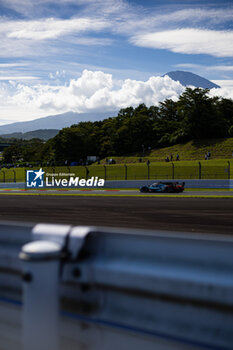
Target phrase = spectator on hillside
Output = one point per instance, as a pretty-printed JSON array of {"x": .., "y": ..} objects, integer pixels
[
  {"x": 208, "y": 155},
  {"x": 177, "y": 157},
  {"x": 171, "y": 157},
  {"x": 167, "y": 159}
]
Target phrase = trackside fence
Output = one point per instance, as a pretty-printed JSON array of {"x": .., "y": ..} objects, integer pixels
[
  {"x": 171, "y": 170},
  {"x": 64, "y": 287}
]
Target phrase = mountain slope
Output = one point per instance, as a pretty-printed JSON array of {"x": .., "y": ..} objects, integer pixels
[
  {"x": 43, "y": 134},
  {"x": 54, "y": 122},
  {"x": 188, "y": 78}
]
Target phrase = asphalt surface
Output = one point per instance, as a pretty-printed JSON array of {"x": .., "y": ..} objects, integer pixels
[
  {"x": 111, "y": 192},
  {"x": 176, "y": 214}
]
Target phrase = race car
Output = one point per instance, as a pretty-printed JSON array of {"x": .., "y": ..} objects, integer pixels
[{"x": 163, "y": 187}]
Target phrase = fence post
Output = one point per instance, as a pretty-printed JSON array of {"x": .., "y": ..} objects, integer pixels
[
  {"x": 148, "y": 171},
  {"x": 68, "y": 168},
  {"x": 87, "y": 172},
  {"x": 173, "y": 171},
  {"x": 199, "y": 163},
  {"x": 229, "y": 170},
  {"x": 4, "y": 176},
  {"x": 105, "y": 173},
  {"x": 125, "y": 172},
  {"x": 14, "y": 172}
]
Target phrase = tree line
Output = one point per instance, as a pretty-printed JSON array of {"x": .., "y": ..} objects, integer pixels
[{"x": 195, "y": 115}]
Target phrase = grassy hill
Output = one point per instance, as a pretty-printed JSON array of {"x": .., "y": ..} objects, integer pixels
[
  {"x": 192, "y": 150},
  {"x": 192, "y": 164}
]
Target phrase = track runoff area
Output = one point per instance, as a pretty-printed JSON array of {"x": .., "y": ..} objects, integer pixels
[
  {"x": 205, "y": 211},
  {"x": 40, "y": 182}
]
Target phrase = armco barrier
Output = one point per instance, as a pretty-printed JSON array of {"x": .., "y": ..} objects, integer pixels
[{"x": 99, "y": 288}]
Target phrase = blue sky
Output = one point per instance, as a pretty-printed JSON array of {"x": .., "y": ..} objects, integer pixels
[{"x": 89, "y": 55}]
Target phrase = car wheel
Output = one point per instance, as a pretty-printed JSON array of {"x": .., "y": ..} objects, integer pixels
[{"x": 144, "y": 189}]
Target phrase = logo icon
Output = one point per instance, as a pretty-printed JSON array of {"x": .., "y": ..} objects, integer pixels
[{"x": 35, "y": 178}]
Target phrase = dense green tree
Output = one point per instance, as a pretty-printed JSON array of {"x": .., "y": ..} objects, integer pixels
[
  {"x": 22, "y": 150},
  {"x": 199, "y": 114},
  {"x": 225, "y": 110},
  {"x": 169, "y": 123},
  {"x": 195, "y": 115}
]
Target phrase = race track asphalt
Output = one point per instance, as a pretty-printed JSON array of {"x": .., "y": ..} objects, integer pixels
[
  {"x": 122, "y": 192},
  {"x": 207, "y": 215}
]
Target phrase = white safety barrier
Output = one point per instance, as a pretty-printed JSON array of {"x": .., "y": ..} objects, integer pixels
[{"x": 64, "y": 287}]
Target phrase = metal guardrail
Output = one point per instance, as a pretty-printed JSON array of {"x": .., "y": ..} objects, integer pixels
[{"x": 101, "y": 288}]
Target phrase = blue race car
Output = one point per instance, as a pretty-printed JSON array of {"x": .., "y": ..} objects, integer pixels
[{"x": 163, "y": 187}]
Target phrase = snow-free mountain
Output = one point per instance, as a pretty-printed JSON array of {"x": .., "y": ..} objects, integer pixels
[
  {"x": 191, "y": 79},
  {"x": 67, "y": 119},
  {"x": 43, "y": 134},
  {"x": 54, "y": 122}
]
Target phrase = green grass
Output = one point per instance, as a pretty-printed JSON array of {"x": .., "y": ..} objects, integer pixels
[
  {"x": 191, "y": 156},
  {"x": 192, "y": 150},
  {"x": 212, "y": 169},
  {"x": 196, "y": 149}
]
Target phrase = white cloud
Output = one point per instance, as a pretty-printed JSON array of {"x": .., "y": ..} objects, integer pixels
[
  {"x": 57, "y": 74},
  {"x": 189, "y": 66},
  {"x": 122, "y": 9},
  {"x": 10, "y": 65},
  {"x": 51, "y": 38},
  {"x": 43, "y": 7},
  {"x": 224, "y": 83},
  {"x": 89, "y": 83},
  {"x": 221, "y": 68},
  {"x": 189, "y": 41},
  {"x": 93, "y": 91},
  {"x": 18, "y": 78},
  {"x": 225, "y": 92},
  {"x": 197, "y": 15},
  {"x": 48, "y": 35},
  {"x": 51, "y": 28}
]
